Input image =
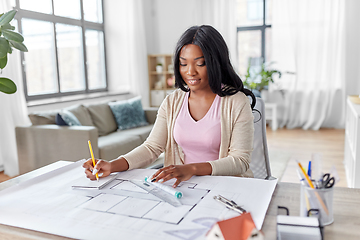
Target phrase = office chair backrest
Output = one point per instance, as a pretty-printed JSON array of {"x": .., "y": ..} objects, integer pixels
[{"x": 260, "y": 164}]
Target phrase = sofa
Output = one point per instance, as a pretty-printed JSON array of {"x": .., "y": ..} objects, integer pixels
[{"x": 50, "y": 139}]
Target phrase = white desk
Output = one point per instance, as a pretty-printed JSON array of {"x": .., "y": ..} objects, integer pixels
[
  {"x": 346, "y": 211},
  {"x": 48, "y": 204},
  {"x": 271, "y": 114}
]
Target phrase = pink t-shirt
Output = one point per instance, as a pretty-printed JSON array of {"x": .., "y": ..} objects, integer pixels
[{"x": 199, "y": 140}]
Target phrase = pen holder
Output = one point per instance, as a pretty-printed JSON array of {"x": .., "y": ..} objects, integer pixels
[{"x": 321, "y": 199}]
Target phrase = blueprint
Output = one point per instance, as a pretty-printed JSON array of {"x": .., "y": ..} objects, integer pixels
[{"x": 122, "y": 210}]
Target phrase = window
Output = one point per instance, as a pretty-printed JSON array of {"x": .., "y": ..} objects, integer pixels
[
  {"x": 65, "y": 39},
  {"x": 253, "y": 32}
]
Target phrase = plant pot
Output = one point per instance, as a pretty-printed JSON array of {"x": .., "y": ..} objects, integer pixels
[{"x": 159, "y": 69}]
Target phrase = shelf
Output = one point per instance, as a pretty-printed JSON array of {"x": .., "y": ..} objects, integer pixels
[{"x": 158, "y": 80}]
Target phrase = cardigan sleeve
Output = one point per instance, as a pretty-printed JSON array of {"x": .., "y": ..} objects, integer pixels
[{"x": 241, "y": 135}]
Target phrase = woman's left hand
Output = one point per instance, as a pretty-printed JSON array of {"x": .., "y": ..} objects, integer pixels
[{"x": 180, "y": 172}]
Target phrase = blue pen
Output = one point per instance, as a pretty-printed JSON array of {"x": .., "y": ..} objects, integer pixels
[{"x": 309, "y": 170}]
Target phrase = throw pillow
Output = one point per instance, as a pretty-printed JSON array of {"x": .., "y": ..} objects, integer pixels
[
  {"x": 68, "y": 118},
  {"x": 103, "y": 118},
  {"x": 59, "y": 120},
  {"x": 81, "y": 113},
  {"x": 128, "y": 113}
]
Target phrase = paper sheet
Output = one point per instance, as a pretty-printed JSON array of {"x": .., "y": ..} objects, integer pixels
[{"x": 48, "y": 203}]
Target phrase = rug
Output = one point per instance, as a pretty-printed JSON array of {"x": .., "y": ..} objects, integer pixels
[{"x": 278, "y": 162}]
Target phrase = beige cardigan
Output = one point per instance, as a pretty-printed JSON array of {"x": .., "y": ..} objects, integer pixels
[{"x": 237, "y": 133}]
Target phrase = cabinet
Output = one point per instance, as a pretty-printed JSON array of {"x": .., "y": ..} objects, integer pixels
[
  {"x": 352, "y": 144},
  {"x": 161, "y": 79}
]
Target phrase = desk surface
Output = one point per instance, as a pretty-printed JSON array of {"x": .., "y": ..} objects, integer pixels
[{"x": 346, "y": 210}]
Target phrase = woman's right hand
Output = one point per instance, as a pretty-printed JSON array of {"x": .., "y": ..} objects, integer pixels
[{"x": 103, "y": 168}]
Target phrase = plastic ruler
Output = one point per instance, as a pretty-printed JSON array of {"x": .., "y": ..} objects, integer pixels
[{"x": 157, "y": 192}]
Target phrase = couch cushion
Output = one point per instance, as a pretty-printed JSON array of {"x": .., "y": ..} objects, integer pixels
[
  {"x": 40, "y": 118},
  {"x": 102, "y": 118},
  {"x": 142, "y": 132},
  {"x": 128, "y": 113},
  {"x": 115, "y": 144},
  {"x": 81, "y": 113}
]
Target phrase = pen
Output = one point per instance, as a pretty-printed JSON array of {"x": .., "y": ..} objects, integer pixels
[
  {"x": 93, "y": 159},
  {"x": 309, "y": 170},
  {"x": 312, "y": 186},
  {"x": 229, "y": 204}
]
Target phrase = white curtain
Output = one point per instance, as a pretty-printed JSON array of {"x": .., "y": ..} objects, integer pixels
[
  {"x": 225, "y": 22},
  {"x": 308, "y": 39},
  {"x": 13, "y": 110},
  {"x": 126, "y": 47},
  {"x": 222, "y": 16}
]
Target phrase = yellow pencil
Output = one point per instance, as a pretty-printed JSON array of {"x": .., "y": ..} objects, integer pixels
[
  {"x": 93, "y": 159},
  {"x": 312, "y": 186}
]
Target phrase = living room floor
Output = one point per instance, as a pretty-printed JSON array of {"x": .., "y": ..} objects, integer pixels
[{"x": 301, "y": 144}]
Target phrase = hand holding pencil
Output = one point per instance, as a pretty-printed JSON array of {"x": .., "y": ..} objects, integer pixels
[{"x": 95, "y": 168}]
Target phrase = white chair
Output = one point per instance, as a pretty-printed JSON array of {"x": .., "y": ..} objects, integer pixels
[{"x": 260, "y": 164}]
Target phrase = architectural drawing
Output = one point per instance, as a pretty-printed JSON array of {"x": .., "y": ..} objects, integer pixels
[{"x": 125, "y": 198}]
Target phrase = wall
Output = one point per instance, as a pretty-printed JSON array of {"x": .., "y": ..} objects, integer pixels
[
  {"x": 166, "y": 20},
  {"x": 352, "y": 53}
]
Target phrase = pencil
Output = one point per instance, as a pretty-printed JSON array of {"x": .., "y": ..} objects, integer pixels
[
  {"x": 93, "y": 159},
  {"x": 312, "y": 186}
]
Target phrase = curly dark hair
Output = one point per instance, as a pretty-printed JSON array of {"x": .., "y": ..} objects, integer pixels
[{"x": 223, "y": 80}]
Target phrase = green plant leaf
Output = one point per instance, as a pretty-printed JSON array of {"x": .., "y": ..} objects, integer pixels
[
  {"x": 19, "y": 46},
  {"x": 4, "y": 46},
  {"x": 7, "y": 27},
  {"x": 13, "y": 36},
  {"x": 3, "y": 62},
  {"x": 7, "y": 86},
  {"x": 10, "y": 49},
  {"x": 7, "y": 17}
]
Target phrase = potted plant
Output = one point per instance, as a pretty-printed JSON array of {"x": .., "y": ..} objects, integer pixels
[
  {"x": 9, "y": 39},
  {"x": 159, "y": 68},
  {"x": 258, "y": 80}
]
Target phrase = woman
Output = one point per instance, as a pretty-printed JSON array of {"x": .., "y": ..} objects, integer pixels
[{"x": 206, "y": 126}]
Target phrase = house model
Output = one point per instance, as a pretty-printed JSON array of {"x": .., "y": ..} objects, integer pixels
[{"x": 237, "y": 228}]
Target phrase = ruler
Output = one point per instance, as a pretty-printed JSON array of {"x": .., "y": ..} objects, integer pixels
[{"x": 158, "y": 192}]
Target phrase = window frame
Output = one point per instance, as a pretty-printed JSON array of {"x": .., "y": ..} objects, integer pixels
[
  {"x": 54, "y": 19},
  {"x": 262, "y": 28}
]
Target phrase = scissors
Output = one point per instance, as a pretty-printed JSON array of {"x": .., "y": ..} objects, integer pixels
[{"x": 327, "y": 181}]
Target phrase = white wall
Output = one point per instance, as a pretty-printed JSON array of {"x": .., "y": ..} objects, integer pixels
[
  {"x": 115, "y": 19},
  {"x": 352, "y": 53},
  {"x": 166, "y": 20}
]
